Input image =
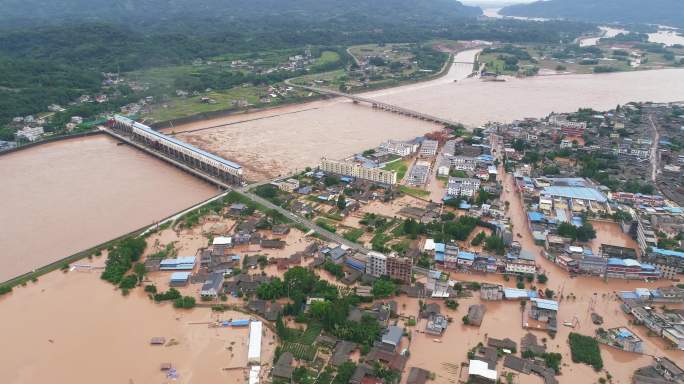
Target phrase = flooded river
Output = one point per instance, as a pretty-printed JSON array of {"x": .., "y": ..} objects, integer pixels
[
  {"x": 75, "y": 328},
  {"x": 293, "y": 137},
  {"x": 66, "y": 196}
]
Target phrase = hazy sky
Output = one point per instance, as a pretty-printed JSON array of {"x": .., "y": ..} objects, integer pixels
[{"x": 494, "y": 3}]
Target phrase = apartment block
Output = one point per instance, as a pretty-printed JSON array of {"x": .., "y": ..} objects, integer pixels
[
  {"x": 377, "y": 264},
  {"x": 399, "y": 268},
  {"x": 349, "y": 168}
]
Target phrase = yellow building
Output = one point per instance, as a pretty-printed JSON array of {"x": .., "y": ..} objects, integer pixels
[{"x": 348, "y": 168}]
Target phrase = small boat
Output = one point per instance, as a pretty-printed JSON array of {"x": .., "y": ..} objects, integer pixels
[{"x": 437, "y": 340}]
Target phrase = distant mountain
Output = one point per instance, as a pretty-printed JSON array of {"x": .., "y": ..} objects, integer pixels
[
  {"x": 159, "y": 12},
  {"x": 666, "y": 12}
]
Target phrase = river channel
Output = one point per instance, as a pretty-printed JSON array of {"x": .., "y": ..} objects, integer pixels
[
  {"x": 66, "y": 196},
  {"x": 277, "y": 141}
]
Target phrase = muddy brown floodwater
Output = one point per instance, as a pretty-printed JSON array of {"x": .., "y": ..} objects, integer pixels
[
  {"x": 75, "y": 328},
  {"x": 282, "y": 140},
  {"x": 63, "y": 197}
]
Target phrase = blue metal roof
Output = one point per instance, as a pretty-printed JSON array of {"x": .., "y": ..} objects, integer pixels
[
  {"x": 582, "y": 193},
  {"x": 546, "y": 304},
  {"x": 439, "y": 256},
  {"x": 514, "y": 293},
  {"x": 180, "y": 276},
  {"x": 624, "y": 333},
  {"x": 466, "y": 255},
  {"x": 626, "y": 295},
  {"x": 393, "y": 335},
  {"x": 667, "y": 252},
  {"x": 179, "y": 260},
  {"x": 355, "y": 264},
  {"x": 440, "y": 247},
  {"x": 535, "y": 216},
  {"x": 178, "y": 142}
]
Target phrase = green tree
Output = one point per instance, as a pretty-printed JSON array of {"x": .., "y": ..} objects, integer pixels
[
  {"x": 185, "y": 302},
  {"x": 139, "y": 270},
  {"x": 495, "y": 244},
  {"x": 383, "y": 288},
  {"x": 341, "y": 202}
]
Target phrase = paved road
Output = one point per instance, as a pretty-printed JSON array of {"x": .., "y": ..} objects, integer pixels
[
  {"x": 654, "y": 149},
  {"x": 300, "y": 220}
]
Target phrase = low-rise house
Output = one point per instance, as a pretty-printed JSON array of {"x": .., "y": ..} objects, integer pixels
[
  {"x": 429, "y": 310},
  {"x": 389, "y": 359},
  {"x": 479, "y": 373},
  {"x": 212, "y": 286},
  {"x": 436, "y": 325},
  {"x": 506, "y": 343},
  {"x": 392, "y": 337},
  {"x": 273, "y": 244},
  {"x": 529, "y": 343},
  {"x": 283, "y": 368},
  {"x": 418, "y": 376},
  {"x": 179, "y": 279},
  {"x": 669, "y": 370},
  {"x": 280, "y": 230},
  {"x": 179, "y": 263},
  {"x": 476, "y": 314},
  {"x": 622, "y": 338},
  {"x": 492, "y": 292},
  {"x": 675, "y": 335},
  {"x": 341, "y": 352},
  {"x": 545, "y": 311}
]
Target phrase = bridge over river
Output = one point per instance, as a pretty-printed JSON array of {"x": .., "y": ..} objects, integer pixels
[{"x": 381, "y": 105}]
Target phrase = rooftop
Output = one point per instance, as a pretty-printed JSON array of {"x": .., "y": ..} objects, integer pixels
[
  {"x": 581, "y": 193},
  {"x": 480, "y": 368},
  {"x": 546, "y": 304}
]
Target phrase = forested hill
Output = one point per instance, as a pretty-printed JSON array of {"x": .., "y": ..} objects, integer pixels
[
  {"x": 666, "y": 12},
  {"x": 205, "y": 14}
]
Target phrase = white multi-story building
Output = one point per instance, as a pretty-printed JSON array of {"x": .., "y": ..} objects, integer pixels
[
  {"x": 348, "y": 168},
  {"x": 459, "y": 186},
  {"x": 521, "y": 266},
  {"x": 398, "y": 148},
  {"x": 419, "y": 173},
  {"x": 289, "y": 185},
  {"x": 428, "y": 148},
  {"x": 444, "y": 167},
  {"x": 30, "y": 133},
  {"x": 377, "y": 264},
  {"x": 561, "y": 121},
  {"x": 463, "y": 163}
]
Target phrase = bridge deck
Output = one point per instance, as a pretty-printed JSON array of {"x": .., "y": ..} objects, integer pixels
[{"x": 382, "y": 105}]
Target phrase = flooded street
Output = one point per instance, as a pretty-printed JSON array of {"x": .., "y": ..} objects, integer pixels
[
  {"x": 291, "y": 138},
  {"x": 67, "y": 196},
  {"x": 578, "y": 297}
]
